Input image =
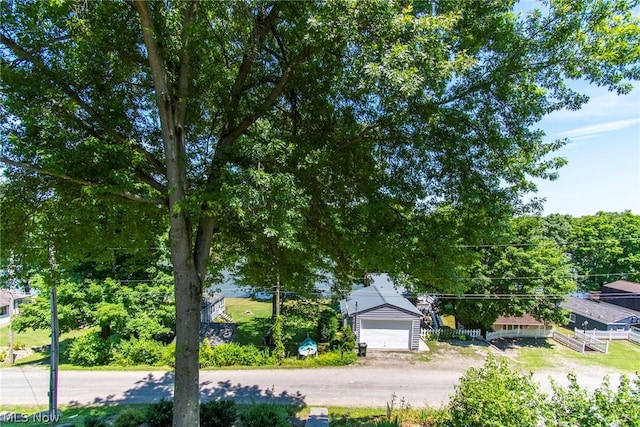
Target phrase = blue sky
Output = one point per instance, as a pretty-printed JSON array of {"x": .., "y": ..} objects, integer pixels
[{"x": 603, "y": 173}]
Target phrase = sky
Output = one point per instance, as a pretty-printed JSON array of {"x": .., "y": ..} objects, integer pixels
[{"x": 603, "y": 173}]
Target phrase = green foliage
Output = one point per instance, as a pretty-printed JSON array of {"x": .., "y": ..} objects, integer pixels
[
  {"x": 493, "y": 395},
  {"x": 529, "y": 264},
  {"x": 327, "y": 325},
  {"x": 130, "y": 417},
  {"x": 347, "y": 340},
  {"x": 604, "y": 407},
  {"x": 128, "y": 309},
  {"x": 264, "y": 415},
  {"x": 159, "y": 414},
  {"x": 604, "y": 245},
  {"x": 139, "y": 352},
  {"x": 94, "y": 421},
  {"x": 230, "y": 354},
  {"x": 218, "y": 413},
  {"x": 92, "y": 350},
  {"x": 330, "y": 358},
  {"x": 278, "y": 338}
]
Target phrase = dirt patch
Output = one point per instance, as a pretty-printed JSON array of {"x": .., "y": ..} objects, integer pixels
[{"x": 439, "y": 355}]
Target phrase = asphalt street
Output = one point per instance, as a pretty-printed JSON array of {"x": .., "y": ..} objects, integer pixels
[{"x": 365, "y": 386}]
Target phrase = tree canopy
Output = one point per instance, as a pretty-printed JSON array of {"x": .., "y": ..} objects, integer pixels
[{"x": 341, "y": 127}]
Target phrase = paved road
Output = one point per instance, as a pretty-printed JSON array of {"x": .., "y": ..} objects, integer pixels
[{"x": 346, "y": 386}]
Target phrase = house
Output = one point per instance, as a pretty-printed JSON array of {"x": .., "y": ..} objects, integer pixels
[
  {"x": 5, "y": 303},
  {"x": 622, "y": 293},
  {"x": 590, "y": 314},
  {"x": 381, "y": 317},
  {"x": 211, "y": 328},
  {"x": 213, "y": 306},
  {"x": 525, "y": 323}
]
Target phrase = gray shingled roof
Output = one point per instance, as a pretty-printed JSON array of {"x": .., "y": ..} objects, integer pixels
[
  {"x": 623, "y": 285},
  {"x": 5, "y": 299},
  {"x": 380, "y": 293},
  {"x": 600, "y": 311}
]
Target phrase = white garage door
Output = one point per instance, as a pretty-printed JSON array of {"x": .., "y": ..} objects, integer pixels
[{"x": 392, "y": 334}]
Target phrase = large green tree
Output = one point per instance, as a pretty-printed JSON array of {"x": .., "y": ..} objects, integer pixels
[
  {"x": 605, "y": 247},
  {"x": 379, "y": 110},
  {"x": 528, "y": 274}
]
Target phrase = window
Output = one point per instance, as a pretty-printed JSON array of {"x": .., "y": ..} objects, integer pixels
[{"x": 572, "y": 318}]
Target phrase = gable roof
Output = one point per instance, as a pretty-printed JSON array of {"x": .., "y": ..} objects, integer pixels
[
  {"x": 5, "y": 299},
  {"x": 524, "y": 320},
  {"x": 600, "y": 311},
  {"x": 380, "y": 293},
  {"x": 625, "y": 286}
]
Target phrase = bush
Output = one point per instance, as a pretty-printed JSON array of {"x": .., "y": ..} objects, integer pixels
[
  {"x": 91, "y": 350},
  {"x": 230, "y": 354},
  {"x": 129, "y": 417},
  {"x": 218, "y": 413},
  {"x": 93, "y": 421},
  {"x": 169, "y": 355},
  {"x": 159, "y": 414},
  {"x": 265, "y": 415},
  {"x": 139, "y": 352},
  {"x": 327, "y": 325}
]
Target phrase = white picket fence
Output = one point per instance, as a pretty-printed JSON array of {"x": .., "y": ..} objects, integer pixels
[
  {"x": 592, "y": 342},
  {"x": 571, "y": 342},
  {"x": 520, "y": 333},
  {"x": 473, "y": 333},
  {"x": 605, "y": 335}
]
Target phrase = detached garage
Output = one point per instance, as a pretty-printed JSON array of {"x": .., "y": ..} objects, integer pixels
[{"x": 381, "y": 317}]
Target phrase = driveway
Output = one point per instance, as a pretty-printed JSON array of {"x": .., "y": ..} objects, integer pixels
[{"x": 371, "y": 382}]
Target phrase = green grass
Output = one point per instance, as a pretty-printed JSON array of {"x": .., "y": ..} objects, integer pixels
[
  {"x": 31, "y": 338},
  {"x": 623, "y": 356},
  {"x": 252, "y": 317}
]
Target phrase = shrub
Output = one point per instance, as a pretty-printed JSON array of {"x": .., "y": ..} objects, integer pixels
[
  {"x": 139, "y": 352},
  {"x": 129, "y": 417},
  {"x": 169, "y": 355},
  {"x": 93, "y": 421},
  {"x": 230, "y": 354},
  {"x": 159, "y": 414},
  {"x": 3, "y": 355},
  {"x": 265, "y": 415},
  {"x": 218, "y": 413},
  {"x": 327, "y": 325},
  {"x": 91, "y": 350}
]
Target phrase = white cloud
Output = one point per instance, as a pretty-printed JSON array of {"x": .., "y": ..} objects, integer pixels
[{"x": 600, "y": 128}]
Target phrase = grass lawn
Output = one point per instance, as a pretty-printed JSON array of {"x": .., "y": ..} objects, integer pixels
[
  {"x": 623, "y": 356},
  {"x": 252, "y": 317}
]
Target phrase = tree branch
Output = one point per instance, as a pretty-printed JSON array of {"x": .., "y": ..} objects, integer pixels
[
  {"x": 250, "y": 119},
  {"x": 75, "y": 97},
  {"x": 126, "y": 194}
]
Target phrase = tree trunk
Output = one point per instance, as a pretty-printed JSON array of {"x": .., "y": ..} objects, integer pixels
[{"x": 188, "y": 297}]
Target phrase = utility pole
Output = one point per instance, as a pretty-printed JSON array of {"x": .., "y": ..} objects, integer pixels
[
  {"x": 53, "y": 370},
  {"x": 11, "y": 271}
]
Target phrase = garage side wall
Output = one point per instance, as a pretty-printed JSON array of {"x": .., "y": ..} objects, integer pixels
[{"x": 390, "y": 313}]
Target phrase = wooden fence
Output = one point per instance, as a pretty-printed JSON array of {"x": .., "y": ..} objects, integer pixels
[
  {"x": 634, "y": 335},
  {"x": 520, "y": 333},
  {"x": 473, "y": 333}
]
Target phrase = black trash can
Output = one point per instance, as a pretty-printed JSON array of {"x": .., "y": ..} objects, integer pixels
[{"x": 362, "y": 349}]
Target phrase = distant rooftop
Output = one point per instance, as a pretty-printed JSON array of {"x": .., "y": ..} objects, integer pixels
[
  {"x": 625, "y": 286},
  {"x": 601, "y": 311}
]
